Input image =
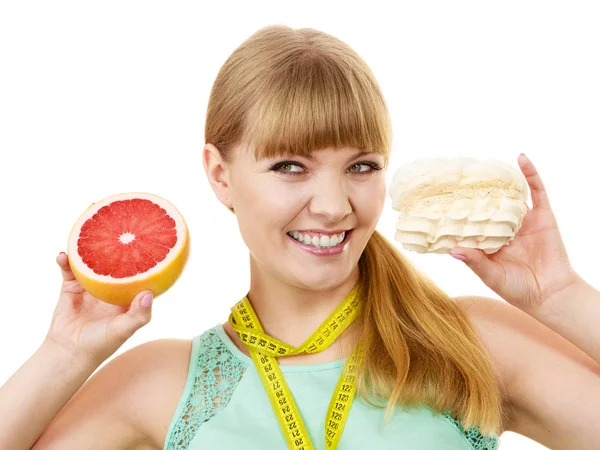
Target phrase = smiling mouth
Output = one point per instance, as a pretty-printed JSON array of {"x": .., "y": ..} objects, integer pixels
[{"x": 320, "y": 240}]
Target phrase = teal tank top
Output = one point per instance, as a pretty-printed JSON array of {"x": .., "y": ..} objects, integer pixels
[{"x": 225, "y": 406}]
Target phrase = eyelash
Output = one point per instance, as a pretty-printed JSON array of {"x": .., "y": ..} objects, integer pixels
[{"x": 374, "y": 167}]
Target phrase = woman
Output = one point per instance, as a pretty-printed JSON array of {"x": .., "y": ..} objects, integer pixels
[{"x": 298, "y": 137}]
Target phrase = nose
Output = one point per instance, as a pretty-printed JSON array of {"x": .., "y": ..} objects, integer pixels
[{"x": 331, "y": 200}]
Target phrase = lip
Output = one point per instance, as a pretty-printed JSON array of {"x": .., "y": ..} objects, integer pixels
[
  {"x": 314, "y": 230},
  {"x": 325, "y": 251}
]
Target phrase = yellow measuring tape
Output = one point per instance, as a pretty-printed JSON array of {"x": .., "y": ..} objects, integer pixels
[{"x": 264, "y": 349}]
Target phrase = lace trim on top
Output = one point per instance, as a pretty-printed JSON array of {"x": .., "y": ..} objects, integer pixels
[
  {"x": 477, "y": 440},
  {"x": 216, "y": 374}
]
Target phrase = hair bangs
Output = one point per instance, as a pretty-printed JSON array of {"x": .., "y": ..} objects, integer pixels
[{"x": 311, "y": 104}]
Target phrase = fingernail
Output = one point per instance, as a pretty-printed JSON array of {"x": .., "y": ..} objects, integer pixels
[
  {"x": 461, "y": 257},
  {"x": 146, "y": 300}
]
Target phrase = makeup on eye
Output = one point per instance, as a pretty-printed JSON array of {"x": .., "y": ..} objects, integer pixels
[{"x": 374, "y": 167}]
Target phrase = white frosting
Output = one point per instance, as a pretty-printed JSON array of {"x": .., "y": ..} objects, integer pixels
[{"x": 449, "y": 202}]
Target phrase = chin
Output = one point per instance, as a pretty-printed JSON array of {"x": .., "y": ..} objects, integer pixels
[{"x": 321, "y": 281}]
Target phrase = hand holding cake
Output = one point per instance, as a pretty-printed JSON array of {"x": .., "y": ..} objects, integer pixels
[{"x": 477, "y": 210}]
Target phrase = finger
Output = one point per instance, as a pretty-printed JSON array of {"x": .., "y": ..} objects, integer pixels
[
  {"x": 136, "y": 316},
  {"x": 539, "y": 196},
  {"x": 489, "y": 271},
  {"x": 65, "y": 268}
]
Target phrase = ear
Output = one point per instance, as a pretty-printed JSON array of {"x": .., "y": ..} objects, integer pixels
[{"x": 217, "y": 172}]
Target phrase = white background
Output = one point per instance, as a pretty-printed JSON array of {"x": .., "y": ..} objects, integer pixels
[{"x": 99, "y": 98}]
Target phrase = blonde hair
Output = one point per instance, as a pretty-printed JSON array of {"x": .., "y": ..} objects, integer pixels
[{"x": 295, "y": 91}]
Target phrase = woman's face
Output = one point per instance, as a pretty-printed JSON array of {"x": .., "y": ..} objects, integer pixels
[{"x": 278, "y": 201}]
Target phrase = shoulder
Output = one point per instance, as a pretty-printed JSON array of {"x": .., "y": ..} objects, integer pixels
[
  {"x": 490, "y": 318},
  {"x": 154, "y": 375},
  {"x": 131, "y": 398},
  {"x": 534, "y": 363},
  {"x": 487, "y": 316}
]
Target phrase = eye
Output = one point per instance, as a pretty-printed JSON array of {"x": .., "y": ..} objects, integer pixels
[
  {"x": 372, "y": 167},
  {"x": 285, "y": 168}
]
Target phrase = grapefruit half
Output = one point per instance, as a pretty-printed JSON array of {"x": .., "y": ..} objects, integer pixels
[{"x": 127, "y": 243}]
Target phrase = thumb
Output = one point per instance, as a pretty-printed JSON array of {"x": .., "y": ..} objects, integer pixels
[
  {"x": 138, "y": 314},
  {"x": 478, "y": 262}
]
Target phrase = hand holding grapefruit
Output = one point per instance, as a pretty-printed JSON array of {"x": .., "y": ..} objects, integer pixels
[
  {"x": 88, "y": 329},
  {"x": 119, "y": 249}
]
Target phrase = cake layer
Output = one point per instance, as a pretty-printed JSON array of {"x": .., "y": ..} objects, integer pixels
[{"x": 444, "y": 203}]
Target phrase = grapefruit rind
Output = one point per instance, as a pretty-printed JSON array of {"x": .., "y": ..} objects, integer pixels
[{"x": 121, "y": 291}]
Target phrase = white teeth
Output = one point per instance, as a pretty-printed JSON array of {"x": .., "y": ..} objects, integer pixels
[{"x": 322, "y": 242}]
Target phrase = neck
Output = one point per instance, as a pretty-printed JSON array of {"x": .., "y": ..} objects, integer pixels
[{"x": 290, "y": 313}]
